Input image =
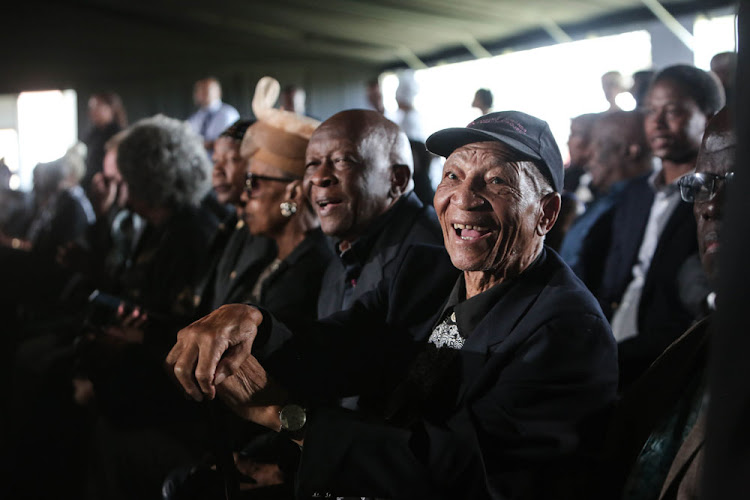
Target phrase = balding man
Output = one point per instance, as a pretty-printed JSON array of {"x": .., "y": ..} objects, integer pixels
[
  {"x": 359, "y": 180},
  {"x": 483, "y": 373},
  {"x": 619, "y": 153},
  {"x": 213, "y": 115}
]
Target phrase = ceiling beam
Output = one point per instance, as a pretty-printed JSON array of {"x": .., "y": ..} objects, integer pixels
[
  {"x": 476, "y": 48},
  {"x": 555, "y": 31},
  {"x": 671, "y": 23}
]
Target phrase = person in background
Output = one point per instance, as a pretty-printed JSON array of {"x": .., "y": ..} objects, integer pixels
[
  {"x": 482, "y": 101},
  {"x": 576, "y": 175},
  {"x": 213, "y": 116},
  {"x": 62, "y": 213},
  {"x": 619, "y": 153},
  {"x": 236, "y": 257},
  {"x": 374, "y": 96},
  {"x": 107, "y": 117},
  {"x": 612, "y": 85},
  {"x": 653, "y": 229},
  {"x": 407, "y": 117},
  {"x": 639, "y": 89}
]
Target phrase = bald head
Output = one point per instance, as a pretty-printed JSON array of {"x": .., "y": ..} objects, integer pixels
[
  {"x": 619, "y": 149},
  {"x": 358, "y": 165},
  {"x": 724, "y": 65},
  {"x": 372, "y": 130}
]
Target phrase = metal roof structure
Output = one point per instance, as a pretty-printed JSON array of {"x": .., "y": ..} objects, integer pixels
[{"x": 116, "y": 39}]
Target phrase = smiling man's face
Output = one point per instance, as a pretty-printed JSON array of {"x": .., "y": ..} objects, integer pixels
[
  {"x": 348, "y": 174},
  {"x": 489, "y": 209}
]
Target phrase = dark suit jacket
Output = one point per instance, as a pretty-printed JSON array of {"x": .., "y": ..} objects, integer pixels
[
  {"x": 520, "y": 406},
  {"x": 410, "y": 223},
  {"x": 650, "y": 401},
  {"x": 291, "y": 292},
  {"x": 235, "y": 261},
  {"x": 661, "y": 315}
]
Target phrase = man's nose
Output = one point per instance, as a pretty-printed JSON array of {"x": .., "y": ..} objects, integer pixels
[
  {"x": 713, "y": 208},
  {"x": 323, "y": 175},
  {"x": 466, "y": 195}
]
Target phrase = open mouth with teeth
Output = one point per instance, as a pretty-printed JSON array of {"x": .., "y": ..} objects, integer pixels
[
  {"x": 326, "y": 205},
  {"x": 470, "y": 233}
]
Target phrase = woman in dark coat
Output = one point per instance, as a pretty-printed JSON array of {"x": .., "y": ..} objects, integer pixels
[{"x": 275, "y": 206}]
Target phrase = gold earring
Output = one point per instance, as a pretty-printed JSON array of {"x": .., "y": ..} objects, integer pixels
[{"x": 288, "y": 208}]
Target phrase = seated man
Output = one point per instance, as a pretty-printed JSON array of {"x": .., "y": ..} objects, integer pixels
[
  {"x": 654, "y": 231},
  {"x": 358, "y": 178},
  {"x": 619, "y": 153},
  {"x": 492, "y": 385},
  {"x": 657, "y": 436}
]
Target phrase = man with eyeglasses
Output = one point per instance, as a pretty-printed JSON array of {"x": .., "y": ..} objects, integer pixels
[
  {"x": 658, "y": 430},
  {"x": 653, "y": 232}
]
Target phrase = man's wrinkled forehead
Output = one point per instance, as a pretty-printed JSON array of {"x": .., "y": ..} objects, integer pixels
[
  {"x": 367, "y": 138},
  {"x": 719, "y": 141},
  {"x": 717, "y": 154}
]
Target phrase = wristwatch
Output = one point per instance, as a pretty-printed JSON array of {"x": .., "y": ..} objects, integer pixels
[{"x": 293, "y": 418}]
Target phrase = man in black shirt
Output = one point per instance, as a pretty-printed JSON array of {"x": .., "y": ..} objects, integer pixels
[{"x": 359, "y": 180}]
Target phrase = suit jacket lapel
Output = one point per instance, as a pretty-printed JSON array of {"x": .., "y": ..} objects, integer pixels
[{"x": 685, "y": 455}]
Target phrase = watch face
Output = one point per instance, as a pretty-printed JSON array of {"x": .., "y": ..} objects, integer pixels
[{"x": 292, "y": 417}]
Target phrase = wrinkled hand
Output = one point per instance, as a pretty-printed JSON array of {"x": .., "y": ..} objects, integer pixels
[
  {"x": 213, "y": 348},
  {"x": 253, "y": 395}
]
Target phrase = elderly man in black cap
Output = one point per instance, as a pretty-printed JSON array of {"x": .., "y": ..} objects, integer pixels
[{"x": 483, "y": 373}]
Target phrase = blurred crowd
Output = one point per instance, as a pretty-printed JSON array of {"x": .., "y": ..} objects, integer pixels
[{"x": 143, "y": 229}]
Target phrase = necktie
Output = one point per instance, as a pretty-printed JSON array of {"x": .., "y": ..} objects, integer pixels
[{"x": 206, "y": 122}]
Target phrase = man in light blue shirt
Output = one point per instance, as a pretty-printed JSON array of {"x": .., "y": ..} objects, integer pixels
[{"x": 213, "y": 115}]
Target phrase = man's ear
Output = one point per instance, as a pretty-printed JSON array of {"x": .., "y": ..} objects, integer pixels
[
  {"x": 400, "y": 179},
  {"x": 548, "y": 216},
  {"x": 634, "y": 151}
]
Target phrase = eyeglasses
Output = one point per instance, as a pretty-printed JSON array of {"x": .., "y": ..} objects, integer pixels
[
  {"x": 703, "y": 186},
  {"x": 251, "y": 180}
]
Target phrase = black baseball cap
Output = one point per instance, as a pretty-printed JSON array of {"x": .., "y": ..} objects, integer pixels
[{"x": 525, "y": 134}]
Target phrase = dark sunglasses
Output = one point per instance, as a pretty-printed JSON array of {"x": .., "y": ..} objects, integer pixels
[
  {"x": 700, "y": 187},
  {"x": 251, "y": 180}
]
